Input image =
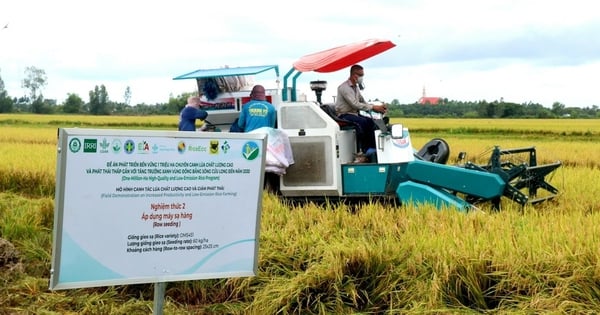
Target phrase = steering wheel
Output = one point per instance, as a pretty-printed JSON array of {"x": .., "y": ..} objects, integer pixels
[{"x": 381, "y": 120}]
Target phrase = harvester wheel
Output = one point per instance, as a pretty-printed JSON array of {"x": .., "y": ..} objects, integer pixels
[{"x": 436, "y": 151}]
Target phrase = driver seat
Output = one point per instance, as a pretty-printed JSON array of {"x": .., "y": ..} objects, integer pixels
[{"x": 343, "y": 123}]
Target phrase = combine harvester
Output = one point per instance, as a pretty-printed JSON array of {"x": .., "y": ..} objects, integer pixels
[{"x": 324, "y": 147}]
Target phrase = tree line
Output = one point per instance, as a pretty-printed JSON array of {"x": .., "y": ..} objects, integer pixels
[
  {"x": 99, "y": 103},
  {"x": 495, "y": 109}
]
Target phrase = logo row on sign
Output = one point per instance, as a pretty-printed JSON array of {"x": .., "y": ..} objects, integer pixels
[{"x": 93, "y": 145}]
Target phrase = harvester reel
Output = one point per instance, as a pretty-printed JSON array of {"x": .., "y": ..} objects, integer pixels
[{"x": 523, "y": 180}]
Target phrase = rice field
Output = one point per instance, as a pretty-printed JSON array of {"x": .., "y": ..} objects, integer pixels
[{"x": 314, "y": 259}]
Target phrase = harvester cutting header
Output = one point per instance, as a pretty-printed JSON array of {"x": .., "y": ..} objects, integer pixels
[{"x": 324, "y": 146}]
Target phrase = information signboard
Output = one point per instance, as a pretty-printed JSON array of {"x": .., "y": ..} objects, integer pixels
[{"x": 136, "y": 206}]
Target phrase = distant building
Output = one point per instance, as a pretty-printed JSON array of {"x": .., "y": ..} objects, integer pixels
[{"x": 429, "y": 100}]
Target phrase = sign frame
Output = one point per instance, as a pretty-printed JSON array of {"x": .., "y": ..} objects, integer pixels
[{"x": 191, "y": 212}]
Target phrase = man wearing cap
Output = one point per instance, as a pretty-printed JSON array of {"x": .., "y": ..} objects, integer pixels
[{"x": 258, "y": 112}]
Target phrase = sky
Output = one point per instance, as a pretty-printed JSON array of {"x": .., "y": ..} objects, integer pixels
[{"x": 467, "y": 50}]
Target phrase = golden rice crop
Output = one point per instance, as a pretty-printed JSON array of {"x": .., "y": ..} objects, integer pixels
[
  {"x": 19, "y": 134},
  {"x": 575, "y": 153},
  {"x": 29, "y": 156},
  {"x": 329, "y": 260},
  {"x": 572, "y": 141},
  {"x": 525, "y": 126},
  {"x": 90, "y": 121}
]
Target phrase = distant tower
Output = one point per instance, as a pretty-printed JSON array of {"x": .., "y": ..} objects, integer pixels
[{"x": 428, "y": 100}]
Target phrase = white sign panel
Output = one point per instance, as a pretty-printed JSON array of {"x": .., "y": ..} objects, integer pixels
[{"x": 152, "y": 206}]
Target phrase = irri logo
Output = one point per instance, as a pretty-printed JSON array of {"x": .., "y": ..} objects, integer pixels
[{"x": 90, "y": 145}]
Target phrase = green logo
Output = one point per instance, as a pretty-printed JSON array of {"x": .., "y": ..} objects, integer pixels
[
  {"x": 104, "y": 145},
  {"x": 116, "y": 146},
  {"x": 250, "y": 151},
  {"x": 90, "y": 145},
  {"x": 129, "y": 146},
  {"x": 75, "y": 145}
]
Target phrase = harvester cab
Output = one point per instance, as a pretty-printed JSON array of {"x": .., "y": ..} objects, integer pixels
[
  {"x": 225, "y": 90},
  {"x": 324, "y": 147}
]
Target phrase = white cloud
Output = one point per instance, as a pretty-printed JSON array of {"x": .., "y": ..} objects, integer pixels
[{"x": 530, "y": 50}]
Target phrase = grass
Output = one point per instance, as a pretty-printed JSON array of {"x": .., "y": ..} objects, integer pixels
[
  {"x": 547, "y": 127},
  {"x": 376, "y": 259},
  {"x": 88, "y": 121}
]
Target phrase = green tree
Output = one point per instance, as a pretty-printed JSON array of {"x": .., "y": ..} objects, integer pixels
[
  {"x": 99, "y": 101},
  {"x": 558, "y": 108},
  {"x": 512, "y": 110},
  {"x": 73, "y": 104},
  {"x": 39, "y": 106},
  {"x": 177, "y": 103},
  {"x": 6, "y": 103},
  {"x": 35, "y": 80},
  {"x": 1, "y": 84}
]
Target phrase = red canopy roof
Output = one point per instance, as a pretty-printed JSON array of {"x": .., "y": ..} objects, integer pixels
[{"x": 343, "y": 56}]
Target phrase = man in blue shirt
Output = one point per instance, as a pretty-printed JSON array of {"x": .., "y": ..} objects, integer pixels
[
  {"x": 258, "y": 112},
  {"x": 189, "y": 114}
]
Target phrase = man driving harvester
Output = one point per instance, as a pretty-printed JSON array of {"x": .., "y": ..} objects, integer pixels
[{"x": 349, "y": 102}]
